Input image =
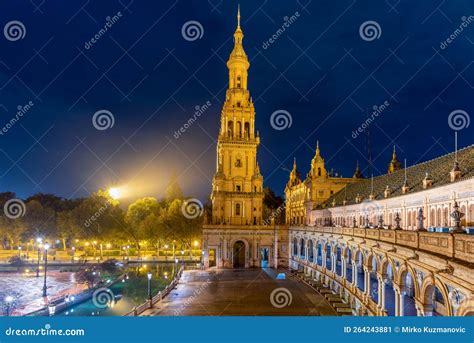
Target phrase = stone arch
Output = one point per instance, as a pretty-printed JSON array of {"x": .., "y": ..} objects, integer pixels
[
  {"x": 401, "y": 275},
  {"x": 428, "y": 290},
  {"x": 466, "y": 308},
  {"x": 246, "y": 253},
  {"x": 302, "y": 248},
  {"x": 295, "y": 246},
  {"x": 329, "y": 253},
  {"x": 310, "y": 250}
]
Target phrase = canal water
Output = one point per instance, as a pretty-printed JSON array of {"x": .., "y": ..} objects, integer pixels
[{"x": 132, "y": 291}]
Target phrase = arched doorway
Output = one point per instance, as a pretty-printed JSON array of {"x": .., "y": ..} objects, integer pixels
[{"x": 238, "y": 254}]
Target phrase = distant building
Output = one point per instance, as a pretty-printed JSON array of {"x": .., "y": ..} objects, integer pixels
[{"x": 302, "y": 196}]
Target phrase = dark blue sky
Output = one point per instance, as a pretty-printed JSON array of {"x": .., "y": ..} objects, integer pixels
[{"x": 150, "y": 78}]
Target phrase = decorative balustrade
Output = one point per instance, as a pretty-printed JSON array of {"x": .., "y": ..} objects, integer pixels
[{"x": 453, "y": 245}]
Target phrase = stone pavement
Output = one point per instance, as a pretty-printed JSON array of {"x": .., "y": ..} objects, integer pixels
[{"x": 240, "y": 292}]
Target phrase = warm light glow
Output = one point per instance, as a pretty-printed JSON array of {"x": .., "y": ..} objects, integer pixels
[
  {"x": 87, "y": 244},
  {"x": 46, "y": 246},
  {"x": 115, "y": 193},
  {"x": 108, "y": 245},
  {"x": 196, "y": 243}
]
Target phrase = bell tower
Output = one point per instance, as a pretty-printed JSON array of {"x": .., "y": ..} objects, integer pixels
[{"x": 237, "y": 189}]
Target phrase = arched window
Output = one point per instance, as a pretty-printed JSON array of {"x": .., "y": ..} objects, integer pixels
[
  {"x": 239, "y": 82},
  {"x": 319, "y": 171},
  {"x": 295, "y": 247},
  {"x": 247, "y": 130},
  {"x": 230, "y": 129},
  {"x": 237, "y": 209}
]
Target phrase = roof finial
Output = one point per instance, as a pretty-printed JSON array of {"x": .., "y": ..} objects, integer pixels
[
  {"x": 294, "y": 163},
  {"x": 238, "y": 16}
]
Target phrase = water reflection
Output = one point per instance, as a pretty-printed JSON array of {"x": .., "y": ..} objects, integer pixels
[{"x": 130, "y": 292}]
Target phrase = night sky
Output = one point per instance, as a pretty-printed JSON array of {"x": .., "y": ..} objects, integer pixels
[{"x": 150, "y": 78}]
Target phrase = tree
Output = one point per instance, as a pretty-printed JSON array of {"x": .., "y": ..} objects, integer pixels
[
  {"x": 273, "y": 207},
  {"x": 139, "y": 219}
]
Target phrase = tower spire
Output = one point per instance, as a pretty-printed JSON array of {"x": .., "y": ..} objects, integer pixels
[{"x": 238, "y": 16}]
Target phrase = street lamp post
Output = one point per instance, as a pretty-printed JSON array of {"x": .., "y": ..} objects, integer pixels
[
  {"x": 73, "y": 253},
  {"x": 38, "y": 240},
  {"x": 166, "y": 252},
  {"x": 8, "y": 300},
  {"x": 46, "y": 247},
  {"x": 149, "y": 286}
]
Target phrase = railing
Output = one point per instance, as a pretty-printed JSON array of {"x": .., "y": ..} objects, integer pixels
[
  {"x": 453, "y": 245},
  {"x": 158, "y": 297}
]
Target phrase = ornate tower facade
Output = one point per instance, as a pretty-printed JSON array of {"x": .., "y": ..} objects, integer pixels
[
  {"x": 236, "y": 235},
  {"x": 237, "y": 188}
]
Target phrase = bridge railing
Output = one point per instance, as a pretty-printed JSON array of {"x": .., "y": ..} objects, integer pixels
[{"x": 158, "y": 297}]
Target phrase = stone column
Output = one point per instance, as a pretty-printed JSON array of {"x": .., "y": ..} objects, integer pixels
[
  {"x": 397, "y": 302},
  {"x": 381, "y": 289},
  {"x": 323, "y": 257},
  {"x": 402, "y": 304},
  {"x": 343, "y": 267},
  {"x": 367, "y": 280},
  {"x": 354, "y": 273}
]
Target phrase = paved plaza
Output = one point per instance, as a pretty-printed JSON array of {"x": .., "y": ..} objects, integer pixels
[
  {"x": 241, "y": 292},
  {"x": 27, "y": 289}
]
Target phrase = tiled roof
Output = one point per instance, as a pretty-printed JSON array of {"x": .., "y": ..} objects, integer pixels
[{"x": 438, "y": 170}]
